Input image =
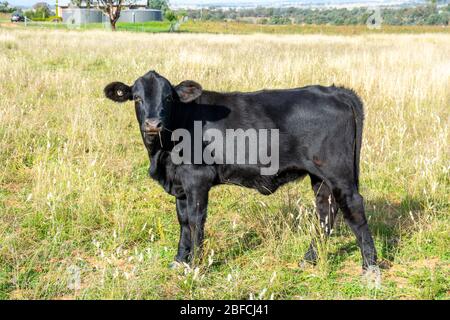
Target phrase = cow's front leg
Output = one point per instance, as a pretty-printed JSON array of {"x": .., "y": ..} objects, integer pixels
[
  {"x": 184, "y": 244},
  {"x": 197, "y": 204}
]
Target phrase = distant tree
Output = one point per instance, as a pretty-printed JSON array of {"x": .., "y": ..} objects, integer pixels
[
  {"x": 6, "y": 7},
  {"x": 433, "y": 19},
  {"x": 41, "y": 11},
  {"x": 172, "y": 18},
  {"x": 418, "y": 15},
  {"x": 79, "y": 3},
  {"x": 112, "y": 9},
  {"x": 162, "y": 5},
  {"x": 182, "y": 13},
  {"x": 279, "y": 20},
  {"x": 41, "y": 5},
  {"x": 170, "y": 15}
]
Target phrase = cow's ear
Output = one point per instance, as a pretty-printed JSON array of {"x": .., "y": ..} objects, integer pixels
[
  {"x": 188, "y": 91},
  {"x": 118, "y": 91}
]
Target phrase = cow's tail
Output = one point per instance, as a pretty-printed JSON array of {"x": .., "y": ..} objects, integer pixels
[{"x": 353, "y": 100}]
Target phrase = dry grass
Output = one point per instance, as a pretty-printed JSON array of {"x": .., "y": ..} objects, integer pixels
[
  {"x": 248, "y": 28},
  {"x": 74, "y": 190},
  {"x": 233, "y": 27}
]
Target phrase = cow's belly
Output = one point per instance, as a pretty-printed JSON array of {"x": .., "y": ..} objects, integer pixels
[{"x": 250, "y": 177}]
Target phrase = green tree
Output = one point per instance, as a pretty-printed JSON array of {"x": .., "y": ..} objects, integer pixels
[
  {"x": 6, "y": 7},
  {"x": 41, "y": 11},
  {"x": 162, "y": 5},
  {"x": 172, "y": 18},
  {"x": 79, "y": 3}
]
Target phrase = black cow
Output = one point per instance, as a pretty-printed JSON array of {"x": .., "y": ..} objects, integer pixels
[{"x": 320, "y": 132}]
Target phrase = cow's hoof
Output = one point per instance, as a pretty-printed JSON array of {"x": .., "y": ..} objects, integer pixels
[
  {"x": 372, "y": 277},
  {"x": 174, "y": 265},
  {"x": 305, "y": 264}
]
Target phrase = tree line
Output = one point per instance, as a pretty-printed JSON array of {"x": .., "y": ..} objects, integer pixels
[
  {"x": 420, "y": 15},
  {"x": 431, "y": 14}
]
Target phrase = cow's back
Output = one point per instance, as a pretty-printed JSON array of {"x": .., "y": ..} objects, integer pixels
[{"x": 293, "y": 111}]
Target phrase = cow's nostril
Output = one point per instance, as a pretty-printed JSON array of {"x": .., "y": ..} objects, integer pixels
[{"x": 152, "y": 124}]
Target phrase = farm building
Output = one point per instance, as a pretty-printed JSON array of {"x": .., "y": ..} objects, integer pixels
[
  {"x": 140, "y": 15},
  {"x": 131, "y": 14},
  {"x": 80, "y": 15}
]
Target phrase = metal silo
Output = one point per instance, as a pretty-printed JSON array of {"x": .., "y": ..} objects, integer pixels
[
  {"x": 140, "y": 15},
  {"x": 79, "y": 16}
]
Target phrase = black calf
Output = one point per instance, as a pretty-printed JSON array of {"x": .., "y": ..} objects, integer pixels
[{"x": 320, "y": 132}]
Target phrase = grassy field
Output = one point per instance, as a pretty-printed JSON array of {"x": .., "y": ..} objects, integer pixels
[
  {"x": 249, "y": 28},
  {"x": 75, "y": 198},
  {"x": 152, "y": 27},
  {"x": 233, "y": 28}
]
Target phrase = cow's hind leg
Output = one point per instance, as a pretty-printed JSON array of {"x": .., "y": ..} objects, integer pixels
[
  {"x": 352, "y": 205},
  {"x": 326, "y": 210}
]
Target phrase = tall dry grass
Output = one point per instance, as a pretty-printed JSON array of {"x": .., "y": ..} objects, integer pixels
[{"x": 74, "y": 190}]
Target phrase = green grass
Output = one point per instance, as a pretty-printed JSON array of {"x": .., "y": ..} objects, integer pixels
[
  {"x": 151, "y": 26},
  {"x": 216, "y": 27},
  {"x": 74, "y": 190}
]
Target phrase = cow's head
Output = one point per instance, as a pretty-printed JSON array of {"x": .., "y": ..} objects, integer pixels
[{"x": 154, "y": 98}]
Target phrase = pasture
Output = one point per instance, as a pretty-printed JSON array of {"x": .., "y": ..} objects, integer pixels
[
  {"x": 79, "y": 217},
  {"x": 230, "y": 27}
]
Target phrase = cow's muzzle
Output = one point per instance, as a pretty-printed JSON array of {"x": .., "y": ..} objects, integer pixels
[{"x": 152, "y": 126}]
